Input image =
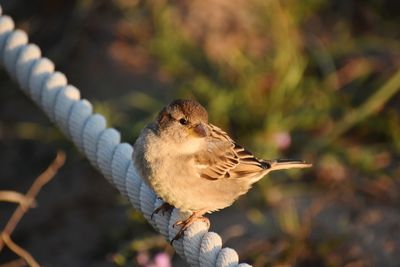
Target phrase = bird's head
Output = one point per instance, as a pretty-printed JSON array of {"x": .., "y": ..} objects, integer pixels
[{"x": 183, "y": 120}]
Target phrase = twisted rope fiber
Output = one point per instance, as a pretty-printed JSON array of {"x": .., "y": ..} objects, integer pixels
[{"x": 61, "y": 102}]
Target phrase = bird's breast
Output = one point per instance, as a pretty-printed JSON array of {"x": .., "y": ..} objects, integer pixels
[{"x": 170, "y": 170}]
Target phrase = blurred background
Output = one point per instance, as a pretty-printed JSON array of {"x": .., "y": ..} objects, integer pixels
[{"x": 312, "y": 79}]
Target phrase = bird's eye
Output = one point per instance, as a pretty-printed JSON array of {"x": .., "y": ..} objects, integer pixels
[{"x": 183, "y": 121}]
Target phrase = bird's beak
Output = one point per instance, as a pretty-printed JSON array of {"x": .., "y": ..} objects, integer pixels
[{"x": 200, "y": 130}]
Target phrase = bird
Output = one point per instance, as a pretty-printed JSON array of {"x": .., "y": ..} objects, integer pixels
[{"x": 195, "y": 166}]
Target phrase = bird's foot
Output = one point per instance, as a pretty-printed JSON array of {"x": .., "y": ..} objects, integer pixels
[
  {"x": 165, "y": 207},
  {"x": 196, "y": 216}
]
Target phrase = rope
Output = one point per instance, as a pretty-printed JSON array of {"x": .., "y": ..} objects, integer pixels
[{"x": 61, "y": 102}]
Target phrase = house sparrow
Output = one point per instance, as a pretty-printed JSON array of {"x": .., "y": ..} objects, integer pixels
[{"x": 195, "y": 166}]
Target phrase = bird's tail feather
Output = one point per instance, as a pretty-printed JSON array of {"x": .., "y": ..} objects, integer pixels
[{"x": 281, "y": 164}]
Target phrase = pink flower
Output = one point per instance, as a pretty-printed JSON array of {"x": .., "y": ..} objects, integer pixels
[
  {"x": 282, "y": 140},
  {"x": 162, "y": 260}
]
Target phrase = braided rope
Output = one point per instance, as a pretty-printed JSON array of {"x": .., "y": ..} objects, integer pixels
[{"x": 61, "y": 102}]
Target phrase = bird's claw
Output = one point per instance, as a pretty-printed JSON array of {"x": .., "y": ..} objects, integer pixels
[
  {"x": 165, "y": 207},
  {"x": 186, "y": 223}
]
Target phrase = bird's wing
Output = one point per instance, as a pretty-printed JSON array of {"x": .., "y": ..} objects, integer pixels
[{"x": 223, "y": 158}]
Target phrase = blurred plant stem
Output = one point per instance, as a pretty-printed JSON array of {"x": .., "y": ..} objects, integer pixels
[
  {"x": 19, "y": 251},
  {"x": 15, "y": 197},
  {"x": 24, "y": 206},
  {"x": 370, "y": 107}
]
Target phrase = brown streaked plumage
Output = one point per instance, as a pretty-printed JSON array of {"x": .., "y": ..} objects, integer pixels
[{"x": 194, "y": 165}]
